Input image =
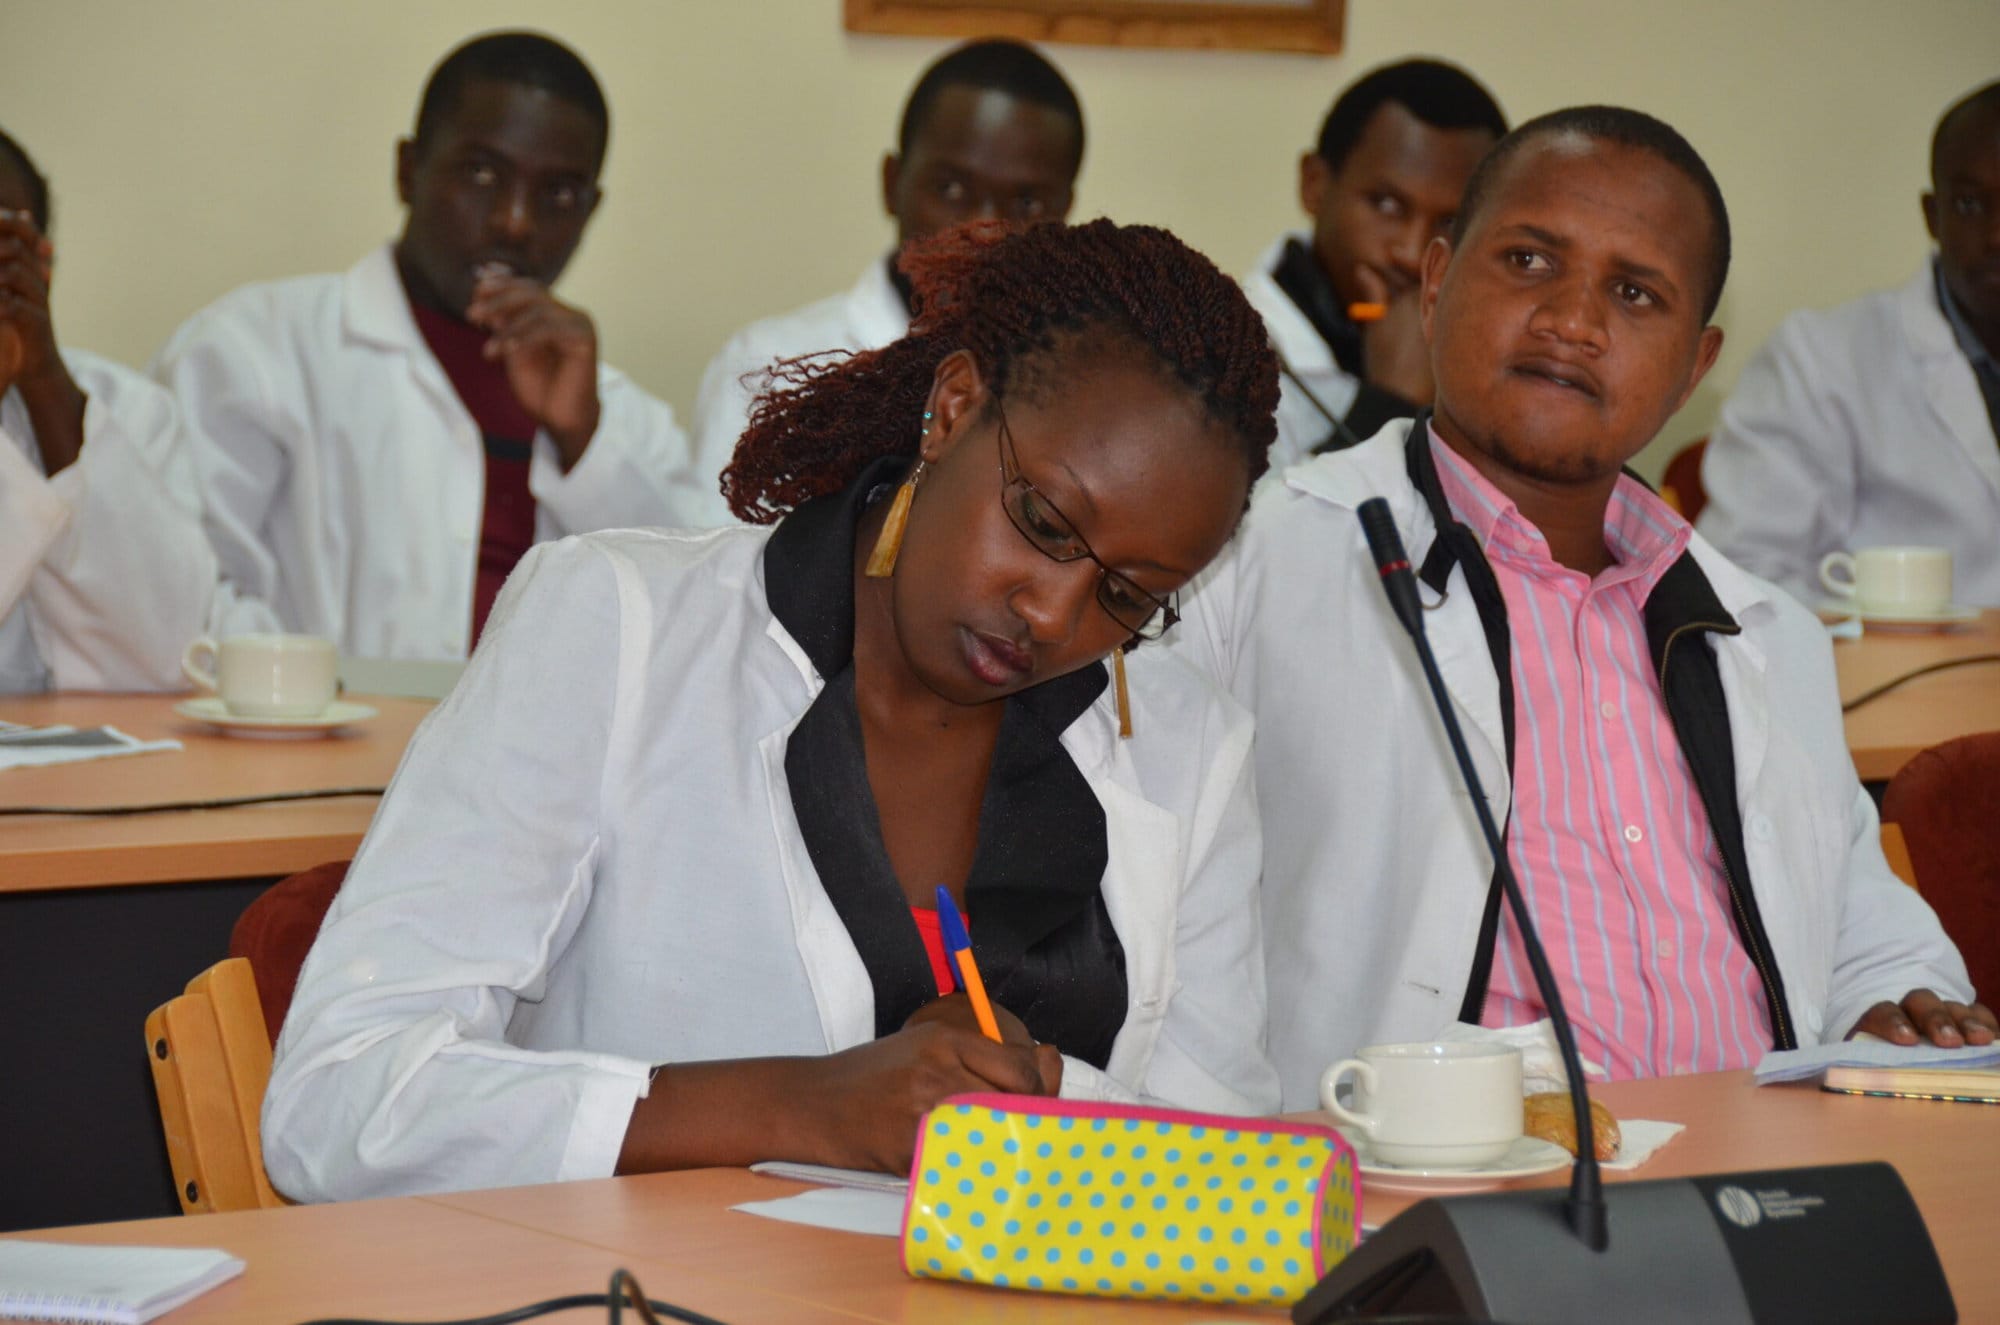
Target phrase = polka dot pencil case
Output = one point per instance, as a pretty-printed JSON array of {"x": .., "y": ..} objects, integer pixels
[{"x": 1125, "y": 1201}]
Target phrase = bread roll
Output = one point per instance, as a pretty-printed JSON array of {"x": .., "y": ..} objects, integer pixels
[{"x": 1551, "y": 1118}]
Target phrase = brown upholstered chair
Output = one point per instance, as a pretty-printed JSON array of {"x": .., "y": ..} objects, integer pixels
[
  {"x": 277, "y": 930},
  {"x": 1680, "y": 485},
  {"x": 1947, "y": 800}
]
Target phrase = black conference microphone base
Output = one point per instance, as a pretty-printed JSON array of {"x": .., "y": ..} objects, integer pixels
[{"x": 1833, "y": 1245}]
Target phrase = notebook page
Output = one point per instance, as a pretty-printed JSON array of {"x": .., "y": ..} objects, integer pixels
[{"x": 128, "y": 1285}]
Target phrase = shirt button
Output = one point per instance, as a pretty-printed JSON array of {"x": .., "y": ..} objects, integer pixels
[
  {"x": 1664, "y": 947},
  {"x": 1632, "y": 833},
  {"x": 1608, "y": 709}
]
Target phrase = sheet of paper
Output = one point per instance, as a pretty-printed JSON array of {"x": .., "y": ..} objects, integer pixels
[
  {"x": 845, "y": 1208},
  {"x": 1803, "y": 1064},
  {"x": 831, "y": 1177},
  {"x": 40, "y": 747}
]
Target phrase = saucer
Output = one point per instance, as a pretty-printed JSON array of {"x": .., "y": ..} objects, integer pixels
[
  {"x": 1526, "y": 1158},
  {"x": 1955, "y": 614},
  {"x": 214, "y": 712}
]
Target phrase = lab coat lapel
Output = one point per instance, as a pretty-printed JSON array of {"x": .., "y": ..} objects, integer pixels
[
  {"x": 1950, "y": 386},
  {"x": 1144, "y": 842},
  {"x": 375, "y": 310},
  {"x": 839, "y": 981}
]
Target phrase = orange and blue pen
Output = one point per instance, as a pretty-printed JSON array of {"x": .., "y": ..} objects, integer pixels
[{"x": 959, "y": 944}]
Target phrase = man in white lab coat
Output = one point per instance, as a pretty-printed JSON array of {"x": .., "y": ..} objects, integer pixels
[
  {"x": 104, "y": 573},
  {"x": 1874, "y": 423},
  {"x": 1384, "y": 178},
  {"x": 377, "y": 449},
  {"x": 992, "y": 130},
  {"x": 1657, "y": 731}
]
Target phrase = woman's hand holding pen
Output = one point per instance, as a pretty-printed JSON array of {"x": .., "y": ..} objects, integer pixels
[
  {"x": 869, "y": 1099},
  {"x": 956, "y": 1010},
  {"x": 856, "y": 1109}
]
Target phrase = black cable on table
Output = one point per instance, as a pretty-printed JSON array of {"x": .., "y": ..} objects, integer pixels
[
  {"x": 1883, "y": 689},
  {"x": 623, "y": 1288},
  {"x": 219, "y": 803}
]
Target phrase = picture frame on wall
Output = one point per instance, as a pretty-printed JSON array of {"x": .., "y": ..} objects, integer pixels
[{"x": 1304, "y": 26}]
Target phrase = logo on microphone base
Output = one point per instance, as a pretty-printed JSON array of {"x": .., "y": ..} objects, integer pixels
[{"x": 1738, "y": 1207}]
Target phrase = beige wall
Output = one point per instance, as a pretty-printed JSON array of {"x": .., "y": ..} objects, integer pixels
[{"x": 197, "y": 144}]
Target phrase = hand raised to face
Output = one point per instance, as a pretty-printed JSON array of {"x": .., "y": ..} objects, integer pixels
[
  {"x": 27, "y": 332},
  {"x": 549, "y": 350},
  {"x": 1395, "y": 356}
]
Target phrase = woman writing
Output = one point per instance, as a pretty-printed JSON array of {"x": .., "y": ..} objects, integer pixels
[{"x": 650, "y": 889}]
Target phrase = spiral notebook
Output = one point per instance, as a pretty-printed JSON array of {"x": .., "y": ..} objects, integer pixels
[{"x": 119, "y": 1285}]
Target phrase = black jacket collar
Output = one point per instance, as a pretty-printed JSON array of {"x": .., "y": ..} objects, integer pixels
[{"x": 1041, "y": 934}]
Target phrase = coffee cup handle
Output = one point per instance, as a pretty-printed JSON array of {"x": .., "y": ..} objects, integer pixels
[
  {"x": 192, "y": 668},
  {"x": 1837, "y": 561},
  {"x": 1328, "y": 1100}
]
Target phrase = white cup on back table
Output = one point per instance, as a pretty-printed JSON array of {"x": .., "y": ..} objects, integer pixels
[
  {"x": 1436, "y": 1105},
  {"x": 1890, "y": 579},
  {"x": 265, "y": 676}
]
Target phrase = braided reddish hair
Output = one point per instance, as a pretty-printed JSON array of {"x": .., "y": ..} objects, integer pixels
[{"x": 1020, "y": 300}]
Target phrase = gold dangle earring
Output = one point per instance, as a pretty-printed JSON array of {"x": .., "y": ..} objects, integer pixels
[
  {"x": 1123, "y": 695},
  {"x": 889, "y": 543}
]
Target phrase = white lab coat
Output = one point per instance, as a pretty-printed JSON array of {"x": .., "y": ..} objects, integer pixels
[
  {"x": 866, "y": 317},
  {"x": 589, "y": 864},
  {"x": 345, "y": 481},
  {"x": 1310, "y": 370},
  {"x": 1859, "y": 426},
  {"x": 104, "y": 572},
  {"x": 1376, "y": 873}
]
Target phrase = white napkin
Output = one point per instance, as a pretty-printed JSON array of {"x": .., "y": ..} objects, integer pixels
[
  {"x": 1541, "y": 1062},
  {"x": 38, "y": 747},
  {"x": 1638, "y": 1139},
  {"x": 845, "y": 1208},
  {"x": 1847, "y": 627}
]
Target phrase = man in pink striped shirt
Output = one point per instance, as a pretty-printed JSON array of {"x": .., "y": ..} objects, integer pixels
[{"x": 1659, "y": 731}]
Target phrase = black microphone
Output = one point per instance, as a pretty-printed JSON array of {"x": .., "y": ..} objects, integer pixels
[
  {"x": 1834, "y": 1245},
  {"x": 1586, "y": 1185}
]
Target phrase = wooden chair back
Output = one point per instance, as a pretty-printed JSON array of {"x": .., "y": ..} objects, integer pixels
[
  {"x": 1897, "y": 849},
  {"x": 211, "y": 1060}
]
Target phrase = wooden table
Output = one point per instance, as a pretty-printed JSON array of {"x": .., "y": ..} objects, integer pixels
[
  {"x": 103, "y": 919},
  {"x": 252, "y": 841},
  {"x": 480, "y": 1252},
  {"x": 1884, "y": 733}
]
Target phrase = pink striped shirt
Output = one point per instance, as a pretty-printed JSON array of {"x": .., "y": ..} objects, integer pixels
[{"x": 1607, "y": 833}]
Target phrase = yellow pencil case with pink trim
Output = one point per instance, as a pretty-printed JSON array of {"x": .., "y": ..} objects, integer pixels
[{"x": 1124, "y": 1201}]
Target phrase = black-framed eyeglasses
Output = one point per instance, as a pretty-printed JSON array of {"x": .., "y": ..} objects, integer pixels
[{"x": 1050, "y": 533}]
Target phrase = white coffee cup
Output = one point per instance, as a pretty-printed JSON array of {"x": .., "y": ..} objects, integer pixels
[
  {"x": 1890, "y": 579},
  {"x": 265, "y": 676},
  {"x": 1442, "y": 1105}
]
